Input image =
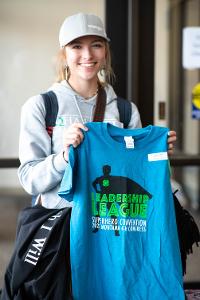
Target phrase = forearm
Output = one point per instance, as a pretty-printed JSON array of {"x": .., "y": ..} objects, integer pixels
[{"x": 42, "y": 175}]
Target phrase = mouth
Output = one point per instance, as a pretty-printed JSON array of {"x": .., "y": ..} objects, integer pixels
[{"x": 88, "y": 65}]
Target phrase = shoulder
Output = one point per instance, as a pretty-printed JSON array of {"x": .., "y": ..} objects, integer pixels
[
  {"x": 131, "y": 112},
  {"x": 110, "y": 93},
  {"x": 34, "y": 104},
  {"x": 134, "y": 108},
  {"x": 135, "y": 121}
]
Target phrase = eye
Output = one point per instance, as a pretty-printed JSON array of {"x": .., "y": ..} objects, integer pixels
[
  {"x": 97, "y": 45},
  {"x": 76, "y": 46}
]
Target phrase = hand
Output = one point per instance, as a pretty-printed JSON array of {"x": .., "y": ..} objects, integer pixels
[
  {"x": 171, "y": 140},
  {"x": 72, "y": 136}
]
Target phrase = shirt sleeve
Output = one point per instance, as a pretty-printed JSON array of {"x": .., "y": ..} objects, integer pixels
[
  {"x": 40, "y": 171},
  {"x": 66, "y": 189}
]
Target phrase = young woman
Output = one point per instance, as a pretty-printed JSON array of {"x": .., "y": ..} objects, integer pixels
[{"x": 84, "y": 94}]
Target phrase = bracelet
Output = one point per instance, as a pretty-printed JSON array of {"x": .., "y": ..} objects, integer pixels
[{"x": 64, "y": 157}]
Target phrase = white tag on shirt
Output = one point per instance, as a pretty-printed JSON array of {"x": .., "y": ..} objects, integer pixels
[
  {"x": 129, "y": 142},
  {"x": 157, "y": 156}
]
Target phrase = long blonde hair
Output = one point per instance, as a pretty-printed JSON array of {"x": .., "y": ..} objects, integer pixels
[{"x": 106, "y": 75}]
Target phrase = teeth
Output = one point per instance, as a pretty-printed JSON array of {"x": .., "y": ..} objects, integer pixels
[{"x": 88, "y": 65}]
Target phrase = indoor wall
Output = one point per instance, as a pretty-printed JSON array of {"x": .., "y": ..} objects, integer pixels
[{"x": 29, "y": 44}]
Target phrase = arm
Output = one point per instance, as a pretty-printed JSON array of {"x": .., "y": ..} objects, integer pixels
[{"x": 40, "y": 171}]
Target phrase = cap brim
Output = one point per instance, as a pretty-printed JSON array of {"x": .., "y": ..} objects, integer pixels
[{"x": 82, "y": 35}]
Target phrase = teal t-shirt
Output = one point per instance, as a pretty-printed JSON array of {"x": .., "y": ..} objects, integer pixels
[{"x": 124, "y": 242}]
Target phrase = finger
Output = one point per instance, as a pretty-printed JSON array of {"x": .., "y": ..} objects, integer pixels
[
  {"x": 170, "y": 152},
  {"x": 171, "y": 133},
  {"x": 171, "y": 136},
  {"x": 80, "y": 126},
  {"x": 74, "y": 141},
  {"x": 75, "y": 136},
  {"x": 170, "y": 146},
  {"x": 73, "y": 133},
  {"x": 171, "y": 139},
  {"x": 69, "y": 143}
]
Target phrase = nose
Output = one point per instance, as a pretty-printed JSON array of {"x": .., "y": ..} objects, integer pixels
[{"x": 87, "y": 53}]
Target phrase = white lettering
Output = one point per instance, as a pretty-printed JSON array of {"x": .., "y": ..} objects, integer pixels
[
  {"x": 39, "y": 244},
  {"x": 46, "y": 227}
]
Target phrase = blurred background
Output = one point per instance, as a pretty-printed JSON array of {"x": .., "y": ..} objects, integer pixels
[{"x": 147, "y": 45}]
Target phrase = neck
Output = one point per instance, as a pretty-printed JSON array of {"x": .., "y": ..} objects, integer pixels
[{"x": 86, "y": 90}]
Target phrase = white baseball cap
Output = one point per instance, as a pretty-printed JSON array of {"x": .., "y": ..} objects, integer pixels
[{"x": 79, "y": 25}]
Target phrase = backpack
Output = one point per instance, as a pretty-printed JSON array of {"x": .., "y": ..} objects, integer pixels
[{"x": 188, "y": 232}]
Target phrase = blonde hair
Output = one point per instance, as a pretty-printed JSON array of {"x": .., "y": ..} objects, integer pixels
[{"x": 106, "y": 75}]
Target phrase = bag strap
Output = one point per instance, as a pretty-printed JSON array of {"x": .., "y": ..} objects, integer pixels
[
  {"x": 51, "y": 108},
  {"x": 125, "y": 111}
]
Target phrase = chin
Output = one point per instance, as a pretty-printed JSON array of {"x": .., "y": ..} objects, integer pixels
[{"x": 89, "y": 77}]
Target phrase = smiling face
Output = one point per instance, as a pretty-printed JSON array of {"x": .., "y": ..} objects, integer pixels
[{"x": 85, "y": 57}]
